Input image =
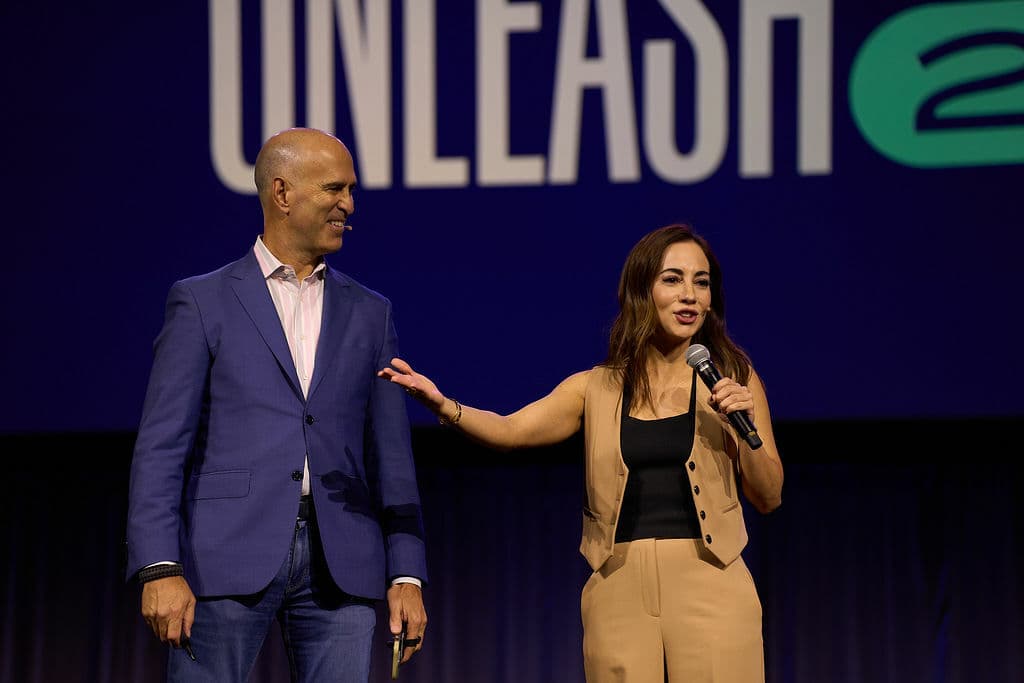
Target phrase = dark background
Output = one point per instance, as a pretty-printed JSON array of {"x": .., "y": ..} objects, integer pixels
[
  {"x": 878, "y": 301},
  {"x": 896, "y": 556}
]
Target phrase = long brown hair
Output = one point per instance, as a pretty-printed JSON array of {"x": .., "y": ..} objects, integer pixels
[{"x": 637, "y": 322}]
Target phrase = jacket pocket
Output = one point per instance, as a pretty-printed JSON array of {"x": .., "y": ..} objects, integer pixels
[{"x": 226, "y": 484}]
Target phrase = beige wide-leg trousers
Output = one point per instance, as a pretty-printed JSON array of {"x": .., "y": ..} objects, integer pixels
[{"x": 662, "y": 605}]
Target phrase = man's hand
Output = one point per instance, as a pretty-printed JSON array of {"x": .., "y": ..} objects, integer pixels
[
  {"x": 405, "y": 603},
  {"x": 169, "y": 607}
]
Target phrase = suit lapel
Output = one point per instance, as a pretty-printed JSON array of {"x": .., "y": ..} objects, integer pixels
[
  {"x": 338, "y": 307},
  {"x": 251, "y": 290}
]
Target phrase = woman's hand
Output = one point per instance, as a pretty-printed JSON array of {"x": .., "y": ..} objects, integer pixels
[
  {"x": 728, "y": 396},
  {"x": 418, "y": 386}
]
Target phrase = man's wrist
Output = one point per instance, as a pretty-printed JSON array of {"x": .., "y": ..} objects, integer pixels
[
  {"x": 406, "y": 579},
  {"x": 159, "y": 571}
]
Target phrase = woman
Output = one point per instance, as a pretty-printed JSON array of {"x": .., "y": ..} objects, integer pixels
[{"x": 670, "y": 597}]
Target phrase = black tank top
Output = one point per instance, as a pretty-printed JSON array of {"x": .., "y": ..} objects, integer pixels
[{"x": 657, "y": 501}]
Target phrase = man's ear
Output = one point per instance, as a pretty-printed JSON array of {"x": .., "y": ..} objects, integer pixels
[{"x": 279, "y": 195}]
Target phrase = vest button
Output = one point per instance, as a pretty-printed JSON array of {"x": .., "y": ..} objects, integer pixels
[
  {"x": 310, "y": 419},
  {"x": 702, "y": 515},
  {"x": 708, "y": 539},
  {"x": 693, "y": 466},
  {"x": 297, "y": 475},
  {"x": 696, "y": 490}
]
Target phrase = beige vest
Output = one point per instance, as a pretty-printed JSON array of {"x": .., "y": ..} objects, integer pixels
[{"x": 713, "y": 482}]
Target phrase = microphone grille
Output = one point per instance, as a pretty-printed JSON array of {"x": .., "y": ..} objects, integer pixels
[{"x": 697, "y": 354}]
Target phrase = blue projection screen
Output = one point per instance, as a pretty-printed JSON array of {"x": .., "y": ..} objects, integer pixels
[{"x": 857, "y": 167}]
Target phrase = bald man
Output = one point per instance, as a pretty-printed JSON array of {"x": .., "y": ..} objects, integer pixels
[{"x": 273, "y": 474}]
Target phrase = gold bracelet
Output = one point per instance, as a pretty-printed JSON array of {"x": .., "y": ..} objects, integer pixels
[{"x": 455, "y": 419}]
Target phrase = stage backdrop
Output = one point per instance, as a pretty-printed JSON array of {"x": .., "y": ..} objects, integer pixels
[{"x": 857, "y": 166}]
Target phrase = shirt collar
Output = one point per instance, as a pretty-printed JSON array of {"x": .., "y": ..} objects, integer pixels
[{"x": 270, "y": 264}]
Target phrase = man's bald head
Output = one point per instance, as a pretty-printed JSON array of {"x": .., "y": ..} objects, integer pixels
[
  {"x": 306, "y": 180},
  {"x": 284, "y": 153}
]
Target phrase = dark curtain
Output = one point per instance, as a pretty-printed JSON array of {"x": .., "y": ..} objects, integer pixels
[{"x": 896, "y": 556}]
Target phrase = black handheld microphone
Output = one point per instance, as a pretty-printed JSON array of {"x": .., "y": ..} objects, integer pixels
[{"x": 699, "y": 358}]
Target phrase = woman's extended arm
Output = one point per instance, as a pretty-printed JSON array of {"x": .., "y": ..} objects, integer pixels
[{"x": 546, "y": 421}]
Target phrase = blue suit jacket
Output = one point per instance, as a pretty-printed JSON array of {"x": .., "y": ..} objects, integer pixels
[{"x": 225, "y": 429}]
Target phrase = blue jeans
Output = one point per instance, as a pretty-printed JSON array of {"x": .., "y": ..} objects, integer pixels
[{"x": 327, "y": 633}]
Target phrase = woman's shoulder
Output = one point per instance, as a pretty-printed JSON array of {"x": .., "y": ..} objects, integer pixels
[
  {"x": 754, "y": 381},
  {"x": 577, "y": 382},
  {"x": 601, "y": 376}
]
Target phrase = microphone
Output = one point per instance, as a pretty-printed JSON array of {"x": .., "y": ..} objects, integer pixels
[{"x": 699, "y": 358}]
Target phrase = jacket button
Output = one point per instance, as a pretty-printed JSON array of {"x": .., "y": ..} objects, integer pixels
[
  {"x": 693, "y": 466},
  {"x": 310, "y": 419},
  {"x": 696, "y": 490},
  {"x": 708, "y": 538},
  {"x": 702, "y": 515},
  {"x": 297, "y": 475}
]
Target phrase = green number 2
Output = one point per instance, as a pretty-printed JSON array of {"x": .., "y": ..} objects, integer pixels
[{"x": 942, "y": 85}]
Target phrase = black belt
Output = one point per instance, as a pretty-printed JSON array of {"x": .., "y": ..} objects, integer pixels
[{"x": 305, "y": 507}]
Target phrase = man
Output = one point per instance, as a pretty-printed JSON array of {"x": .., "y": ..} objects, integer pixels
[{"x": 273, "y": 473}]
